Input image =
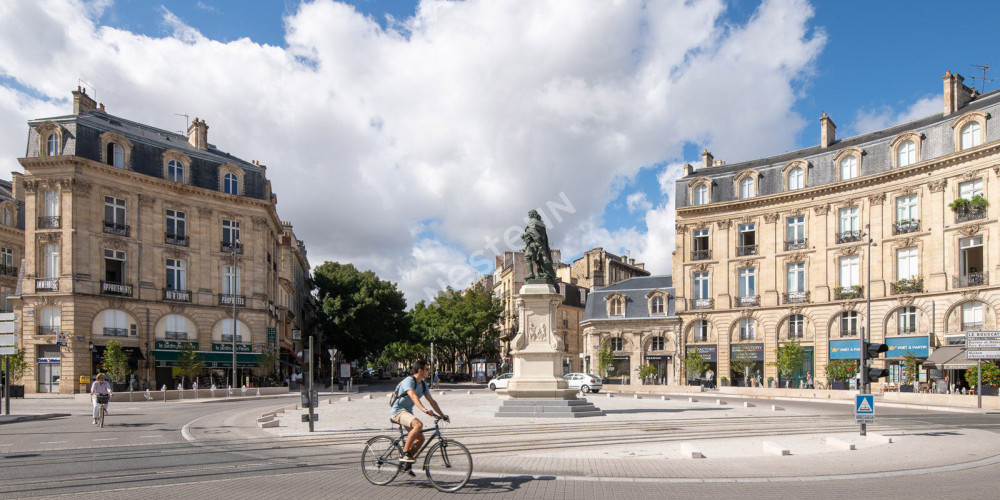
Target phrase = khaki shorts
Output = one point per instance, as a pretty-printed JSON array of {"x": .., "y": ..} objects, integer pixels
[{"x": 403, "y": 418}]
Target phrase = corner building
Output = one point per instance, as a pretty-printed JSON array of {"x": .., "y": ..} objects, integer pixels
[
  {"x": 776, "y": 248},
  {"x": 146, "y": 237}
]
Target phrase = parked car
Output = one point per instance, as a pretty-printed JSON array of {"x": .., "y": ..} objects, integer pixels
[
  {"x": 584, "y": 382},
  {"x": 500, "y": 381}
]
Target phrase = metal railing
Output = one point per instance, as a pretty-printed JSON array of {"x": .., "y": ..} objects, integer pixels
[
  {"x": 113, "y": 288},
  {"x": 748, "y": 301},
  {"x": 227, "y": 300},
  {"x": 799, "y": 244},
  {"x": 906, "y": 285},
  {"x": 177, "y": 335},
  {"x": 848, "y": 236},
  {"x": 746, "y": 250},
  {"x": 971, "y": 279},
  {"x": 848, "y": 333},
  {"x": 8, "y": 271},
  {"x": 117, "y": 229},
  {"x": 46, "y": 284},
  {"x": 701, "y": 254},
  {"x": 48, "y": 330},
  {"x": 116, "y": 332},
  {"x": 851, "y": 292},
  {"x": 228, "y": 337},
  {"x": 175, "y": 239},
  {"x": 906, "y": 226},
  {"x": 175, "y": 295},
  {"x": 49, "y": 222},
  {"x": 228, "y": 247},
  {"x": 702, "y": 303},
  {"x": 796, "y": 297},
  {"x": 972, "y": 326},
  {"x": 970, "y": 213},
  {"x": 906, "y": 329}
]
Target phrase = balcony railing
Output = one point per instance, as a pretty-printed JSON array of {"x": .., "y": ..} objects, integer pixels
[
  {"x": 230, "y": 247},
  {"x": 906, "y": 285},
  {"x": 906, "y": 329},
  {"x": 48, "y": 222},
  {"x": 175, "y": 239},
  {"x": 174, "y": 295},
  {"x": 848, "y": 292},
  {"x": 8, "y": 271},
  {"x": 46, "y": 284},
  {"x": 177, "y": 335},
  {"x": 848, "y": 333},
  {"x": 796, "y": 297},
  {"x": 746, "y": 250},
  {"x": 970, "y": 279},
  {"x": 48, "y": 330},
  {"x": 702, "y": 303},
  {"x": 906, "y": 226},
  {"x": 972, "y": 327},
  {"x": 748, "y": 301},
  {"x": 112, "y": 288},
  {"x": 848, "y": 236},
  {"x": 116, "y": 332},
  {"x": 798, "y": 244},
  {"x": 967, "y": 213},
  {"x": 228, "y": 337},
  {"x": 701, "y": 254},
  {"x": 227, "y": 300},
  {"x": 116, "y": 228}
]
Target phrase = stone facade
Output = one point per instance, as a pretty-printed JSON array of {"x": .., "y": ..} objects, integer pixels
[{"x": 597, "y": 268}]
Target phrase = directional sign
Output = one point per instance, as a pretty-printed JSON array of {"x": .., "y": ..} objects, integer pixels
[
  {"x": 982, "y": 354},
  {"x": 982, "y": 343},
  {"x": 7, "y": 327},
  {"x": 864, "y": 409},
  {"x": 8, "y": 351},
  {"x": 8, "y": 339},
  {"x": 982, "y": 335}
]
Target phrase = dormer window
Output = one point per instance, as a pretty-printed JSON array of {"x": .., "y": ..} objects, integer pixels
[
  {"x": 175, "y": 171},
  {"x": 115, "y": 156},
  {"x": 906, "y": 149},
  {"x": 657, "y": 304},
  {"x": 747, "y": 188},
  {"x": 231, "y": 185},
  {"x": 971, "y": 135},
  {"x": 701, "y": 195},
  {"x": 848, "y": 168},
  {"x": 52, "y": 145},
  {"x": 796, "y": 174},
  {"x": 969, "y": 130},
  {"x": 117, "y": 149},
  {"x": 231, "y": 179},
  {"x": 796, "y": 179},
  {"x": 906, "y": 154},
  {"x": 617, "y": 306}
]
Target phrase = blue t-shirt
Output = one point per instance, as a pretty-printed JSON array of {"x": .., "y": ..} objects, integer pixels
[{"x": 403, "y": 401}]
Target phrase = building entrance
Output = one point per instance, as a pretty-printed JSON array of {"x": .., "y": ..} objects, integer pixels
[{"x": 48, "y": 377}]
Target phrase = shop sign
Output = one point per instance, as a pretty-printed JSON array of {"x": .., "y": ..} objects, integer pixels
[
  {"x": 48, "y": 360},
  {"x": 174, "y": 345},
  {"x": 668, "y": 357},
  {"x": 621, "y": 358},
  {"x": 845, "y": 349},
  {"x": 708, "y": 352},
  {"x": 229, "y": 347},
  {"x": 899, "y": 346},
  {"x": 750, "y": 352}
]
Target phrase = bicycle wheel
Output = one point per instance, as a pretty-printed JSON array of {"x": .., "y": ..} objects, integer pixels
[
  {"x": 104, "y": 412},
  {"x": 380, "y": 460},
  {"x": 448, "y": 465}
]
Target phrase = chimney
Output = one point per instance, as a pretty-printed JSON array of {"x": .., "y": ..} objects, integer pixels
[
  {"x": 688, "y": 169},
  {"x": 82, "y": 103},
  {"x": 956, "y": 94},
  {"x": 827, "y": 131},
  {"x": 706, "y": 158},
  {"x": 198, "y": 134},
  {"x": 17, "y": 186}
]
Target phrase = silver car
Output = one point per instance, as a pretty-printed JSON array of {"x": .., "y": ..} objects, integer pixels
[
  {"x": 500, "y": 382},
  {"x": 584, "y": 382}
]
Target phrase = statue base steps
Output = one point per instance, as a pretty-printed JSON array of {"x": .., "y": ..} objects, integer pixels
[{"x": 548, "y": 408}]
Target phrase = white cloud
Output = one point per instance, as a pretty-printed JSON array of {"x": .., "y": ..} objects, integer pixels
[
  {"x": 870, "y": 120},
  {"x": 470, "y": 115},
  {"x": 637, "y": 201}
]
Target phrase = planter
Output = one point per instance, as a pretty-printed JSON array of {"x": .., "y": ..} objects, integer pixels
[
  {"x": 16, "y": 391},
  {"x": 909, "y": 388},
  {"x": 839, "y": 385},
  {"x": 988, "y": 390}
]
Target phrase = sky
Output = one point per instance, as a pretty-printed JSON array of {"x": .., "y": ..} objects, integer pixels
[{"x": 411, "y": 138}]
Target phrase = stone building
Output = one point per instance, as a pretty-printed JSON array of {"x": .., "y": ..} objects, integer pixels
[
  {"x": 11, "y": 238},
  {"x": 776, "y": 248},
  {"x": 296, "y": 306},
  {"x": 149, "y": 238},
  {"x": 597, "y": 268}
]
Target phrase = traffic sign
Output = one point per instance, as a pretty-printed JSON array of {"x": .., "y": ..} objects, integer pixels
[
  {"x": 8, "y": 339},
  {"x": 8, "y": 351},
  {"x": 974, "y": 354},
  {"x": 982, "y": 343},
  {"x": 982, "y": 335},
  {"x": 864, "y": 409},
  {"x": 7, "y": 327}
]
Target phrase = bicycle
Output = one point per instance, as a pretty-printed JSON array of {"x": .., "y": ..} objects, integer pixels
[
  {"x": 102, "y": 401},
  {"x": 448, "y": 463}
]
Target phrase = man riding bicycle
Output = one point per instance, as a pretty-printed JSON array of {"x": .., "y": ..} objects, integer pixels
[{"x": 408, "y": 394}]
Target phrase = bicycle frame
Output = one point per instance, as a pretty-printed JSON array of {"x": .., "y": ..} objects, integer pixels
[{"x": 401, "y": 440}]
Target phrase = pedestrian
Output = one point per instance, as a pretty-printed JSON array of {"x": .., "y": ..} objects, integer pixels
[
  {"x": 710, "y": 375},
  {"x": 100, "y": 386},
  {"x": 809, "y": 380},
  {"x": 437, "y": 381}
]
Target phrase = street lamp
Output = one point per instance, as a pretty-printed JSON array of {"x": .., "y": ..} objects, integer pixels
[{"x": 232, "y": 295}]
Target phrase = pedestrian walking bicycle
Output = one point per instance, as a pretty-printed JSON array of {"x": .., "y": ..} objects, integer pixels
[
  {"x": 448, "y": 463},
  {"x": 102, "y": 400}
]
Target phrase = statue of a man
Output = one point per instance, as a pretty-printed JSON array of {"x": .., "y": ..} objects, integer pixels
[{"x": 537, "y": 255}]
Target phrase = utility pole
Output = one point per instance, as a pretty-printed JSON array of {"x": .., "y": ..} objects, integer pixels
[{"x": 232, "y": 295}]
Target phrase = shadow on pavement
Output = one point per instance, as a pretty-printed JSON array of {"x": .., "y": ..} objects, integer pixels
[
  {"x": 661, "y": 410},
  {"x": 489, "y": 484}
]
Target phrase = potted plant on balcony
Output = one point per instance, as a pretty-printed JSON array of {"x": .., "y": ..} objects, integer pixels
[
  {"x": 18, "y": 368},
  {"x": 991, "y": 377},
  {"x": 909, "y": 372},
  {"x": 962, "y": 206},
  {"x": 840, "y": 371}
]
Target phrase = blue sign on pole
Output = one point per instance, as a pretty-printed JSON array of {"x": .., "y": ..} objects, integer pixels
[{"x": 864, "y": 409}]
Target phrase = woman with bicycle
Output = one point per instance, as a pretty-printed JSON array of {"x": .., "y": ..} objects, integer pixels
[{"x": 102, "y": 387}]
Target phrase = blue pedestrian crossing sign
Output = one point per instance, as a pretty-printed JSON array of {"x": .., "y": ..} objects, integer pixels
[{"x": 864, "y": 409}]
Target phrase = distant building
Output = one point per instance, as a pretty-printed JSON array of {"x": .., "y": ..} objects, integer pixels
[{"x": 597, "y": 268}]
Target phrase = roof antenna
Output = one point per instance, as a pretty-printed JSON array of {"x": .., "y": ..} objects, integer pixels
[
  {"x": 982, "y": 79},
  {"x": 81, "y": 82},
  {"x": 187, "y": 122}
]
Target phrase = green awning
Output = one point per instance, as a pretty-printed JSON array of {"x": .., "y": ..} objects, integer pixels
[
  {"x": 211, "y": 359},
  {"x": 293, "y": 365}
]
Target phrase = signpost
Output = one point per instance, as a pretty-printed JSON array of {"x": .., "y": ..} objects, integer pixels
[
  {"x": 980, "y": 346},
  {"x": 8, "y": 348},
  {"x": 864, "y": 409}
]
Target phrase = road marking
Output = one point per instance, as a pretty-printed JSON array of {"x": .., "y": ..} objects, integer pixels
[
  {"x": 153, "y": 436},
  {"x": 7, "y": 444},
  {"x": 106, "y": 439},
  {"x": 52, "y": 442}
]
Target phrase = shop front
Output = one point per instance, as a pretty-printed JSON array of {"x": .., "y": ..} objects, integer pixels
[
  {"x": 49, "y": 369},
  {"x": 799, "y": 379},
  {"x": 620, "y": 371},
  {"x": 845, "y": 349},
  {"x": 747, "y": 364},
  {"x": 661, "y": 365},
  {"x": 899, "y": 348},
  {"x": 134, "y": 356},
  {"x": 708, "y": 353},
  {"x": 216, "y": 367}
]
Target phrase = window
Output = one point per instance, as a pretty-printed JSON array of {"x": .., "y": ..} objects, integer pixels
[
  {"x": 565, "y": 315},
  {"x": 52, "y": 145},
  {"x": 657, "y": 305},
  {"x": 176, "y": 223},
  {"x": 227, "y": 331},
  {"x": 970, "y": 261},
  {"x": 176, "y": 327},
  {"x": 796, "y": 326},
  {"x": 906, "y": 208},
  {"x": 617, "y": 306},
  {"x": 116, "y": 323},
  {"x": 849, "y": 220},
  {"x": 228, "y": 273},
  {"x": 848, "y": 168},
  {"x": 796, "y": 179},
  {"x": 907, "y": 317},
  {"x": 230, "y": 232},
  {"x": 747, "y": 188},
  {"x": 657, "y": 344},
  {"x": 906, "y": 263},
  {"x": 115, "y": 155},
  {"x": 747, "y": 279},
  {"x": 700, "y": 249},
  {"x": 796, "y": 229},
  {"x": 7, "y": 258},
  {"x": 51, "y": 261},
  {"x": 701, "y": 195},
  {"x": 231, "y": 184},
  {"x": 746, "y": 243},
  {"x": 796, "y": 277},
  {"x": 8, "y": 217},
  {"x": 970, "y": 188},
  {"x": 51, "y": 321},
  {"x": 700, "y": 285},
  {"x": 849, "y": 271},
  {"x": 175, "y": 171},
  {"x": 114, "y": 266},
  {"x": 51, "y": 207},
  {"x": 617, "y": 343},
  {"x": 176, "y": 274},
  {"x": 114, "y": 210},
  {"x": 972, "y": 316},
  {"x": 848, "y": 323},
  {"x": 906, "y": 154},
  {"x": 748, "y": 329},
  {"x": 970, "y": 135},
  {"x": 701, "y": 331}
]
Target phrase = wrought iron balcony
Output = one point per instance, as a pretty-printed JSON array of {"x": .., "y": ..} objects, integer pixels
[
  {"x": 46, "y": 284},
  {"x": 906, "y": 329},
  {"x": 228, "y": 337},
  {"x": 904, "y": 226},
  {"x": 970, "y": 279},
  {"x": 8, "y": 271},
  {"x": 175, "y": 239},
  {"x": 702, "y": 303},
  {"x": 48, "y": 330},
  {"x": 175, "y": 295},
  {"x": 227, "y": 300},
  {"x": 972, "y": 326},
  {"x": 906, "y": 285},
  {"x": 746, "y": 250},
  {"x": 792, "y": 335},
  {"x": 796, "y": 297},
  {"x": 113, "y": 288},
  {"x": 48, "y": 222},
  {"x": 701, "y": 254},
  {"x": 116, "y": 332},
  {"x": 848, "y": 236},
  {"x": 117, "y": 229},
  {"x": 177, "y": 335},
  {"x": 232, "y": 247},
  {"x": 748, "y": 301},
  {"x": 848, "y": 332},
  {"x": 848, "y": 292},
  {"x": 798, "y": 244},
  {"x": 968, "y": 212}
]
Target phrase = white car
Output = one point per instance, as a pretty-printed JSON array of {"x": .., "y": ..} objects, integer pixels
[
  {"x": 584, "y": 382},
  {"x": 500, "y": 382}
]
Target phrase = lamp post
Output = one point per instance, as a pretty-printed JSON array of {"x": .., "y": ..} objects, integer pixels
[{"x": 232, "y": 295}]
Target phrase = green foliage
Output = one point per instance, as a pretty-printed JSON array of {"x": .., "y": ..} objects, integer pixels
[
  {"x": 268, "y": 358},
  {"x": 402, "y": 353},
  {"x": 189, "y": 362},
  {"x": 361, "y": 314},
  {"x": 18, "y": 366},
  {"x": 910, "y": 368},
  {"x": 849, "y": 292},
  {"x": 605, "y": 359},
  {"x": 115, "y": 361},
  {"x": 742, "y": 362},
  {"x": 788, "y": 358},
  {"x": 695, "y": 363},
  {"x": 462, "y": 325},
  {"x": 647, "y": 371},
  {"x": 961, "y": 204},
  {"x": 842, "y": 369},
  {"x": 991, "y": 374}
]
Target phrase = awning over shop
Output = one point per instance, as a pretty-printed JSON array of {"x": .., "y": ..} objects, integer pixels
[
  {"x": 134, "y": 354},
  {"x": 211, "y": 359},
  {"x": 950, "y": 357},
  {"x": 959, "y": 362}
]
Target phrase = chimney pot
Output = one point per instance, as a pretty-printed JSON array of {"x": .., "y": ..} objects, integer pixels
[
  {"x": 827, "y": 131},
  {"x": 198, "y": 134},
  {"x": 82, "y": 103}
]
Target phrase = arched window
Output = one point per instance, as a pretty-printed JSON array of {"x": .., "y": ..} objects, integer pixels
[
  {"x": 175, "y": 171},
  {"x": 970, "y": 135},
  {"x": 116, "y": 323},
  {"x": 796, "y": 326},
  {"x": 906, "y": 154},
  {"x": 176, "y": 327},
  {"x": 849, "y": 324},
  {"x": 848, "y": 168},
  {"x": 52, "y": 144},
  {"x": 748, "y": 329},
  {"x": 227, "y": 331},
  {"x": 746, "y": 188},
  {"x": 656, "y": 305},
  {"x": 701, "y": 195},
  {"x": 972, "y": 316},
  {"x": 795, "y": 179},
  {"x": 230, "y": 184},
  {"x": 8, "y": 217},
  {"x": 116, "y": 155},
  {"x": 701, "y": 330}
]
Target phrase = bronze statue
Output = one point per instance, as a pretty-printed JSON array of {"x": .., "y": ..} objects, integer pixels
[{"x": 537, "y": 255}]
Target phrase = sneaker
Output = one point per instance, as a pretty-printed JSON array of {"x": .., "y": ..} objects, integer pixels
[{"x": 407, "y": 459}]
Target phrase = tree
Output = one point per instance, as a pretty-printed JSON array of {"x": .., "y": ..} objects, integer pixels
[
  {"x": 18, "y": 366},
  {"x": 116, "y": 362},
  {"x": 189, "y": 362},
  {"x": 695, "y": 363},
  {"x": 402, "y": 353},
  {"x": 743, "y": 361},
  {"x": 910, "y": 368},
  {"x": 361, "y": 313},
  {"x": 842, "y": 369},
  {"x": 462, "y": 325},
  {"x": 268, "y": 357},
  {"x": 605, "y": 359},
  {"x": 788, "y": 359}
]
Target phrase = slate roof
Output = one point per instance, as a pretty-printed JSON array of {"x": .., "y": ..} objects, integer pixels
[{"x": 635, "y": 290}]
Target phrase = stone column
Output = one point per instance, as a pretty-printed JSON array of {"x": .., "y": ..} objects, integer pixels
[{"x": 537, "y": 349}]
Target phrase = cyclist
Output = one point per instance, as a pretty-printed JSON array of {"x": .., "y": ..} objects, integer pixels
[
  {"x": 100, "y": 386},
  {"x": 408, "y": 394}
]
